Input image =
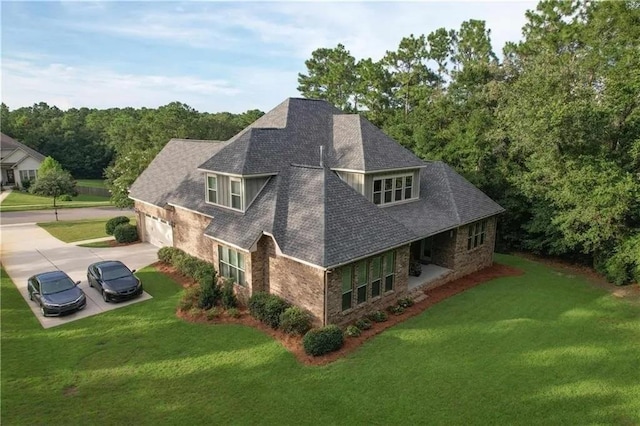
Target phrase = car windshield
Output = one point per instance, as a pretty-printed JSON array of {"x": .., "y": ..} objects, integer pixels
[
  {"x": 114, "y": 272},
  {"x": 56, "y": 285}
]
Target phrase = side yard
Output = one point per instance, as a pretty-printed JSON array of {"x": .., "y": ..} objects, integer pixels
[
  {"x": 23, "y": 201},
  {"x": 546, "y": 347}
]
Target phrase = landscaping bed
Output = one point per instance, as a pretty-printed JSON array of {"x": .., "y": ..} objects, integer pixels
[{"x": 294, "y": 343}]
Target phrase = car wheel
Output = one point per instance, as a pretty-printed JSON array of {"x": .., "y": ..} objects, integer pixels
[
  {"x": 105, "y": 297},
  {"x": 30, "y": 296},
  {"x": 43, "y": 311},
  {"x": 89, "y": 281}
]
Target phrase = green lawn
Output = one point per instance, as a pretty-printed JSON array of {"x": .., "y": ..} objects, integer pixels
[
  {"x": 78, "y": 230},
  {"x": 97, "y": 244},
  {"x": 22, "y": 201},
  {"x": 544, "y": 348},
  {"x": 91, "y": 183}
]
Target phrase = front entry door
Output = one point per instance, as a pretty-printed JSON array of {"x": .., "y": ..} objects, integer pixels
[
  {"x": 427, "y": 244},
  {"x": 10, "y": 176}
]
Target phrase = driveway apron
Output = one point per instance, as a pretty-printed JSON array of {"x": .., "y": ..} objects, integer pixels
[{"x": 28, "y": 249}]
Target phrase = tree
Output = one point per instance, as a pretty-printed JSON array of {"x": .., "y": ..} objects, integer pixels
[
  {"x": 49, "y": 164},
  {"x": 53, "y": 183},
  {"x": 331, "y": 76}
]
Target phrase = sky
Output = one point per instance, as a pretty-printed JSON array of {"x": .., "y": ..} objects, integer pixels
[{"x": 212, "y": 56}]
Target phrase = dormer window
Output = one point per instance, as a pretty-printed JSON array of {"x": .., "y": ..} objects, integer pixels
[
  {"x": 236, "y": 193},
  {"x": 392, "y": 189},
  {"x": 212, "y": 189}
]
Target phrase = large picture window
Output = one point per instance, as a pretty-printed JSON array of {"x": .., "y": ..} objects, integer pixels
[
  {"x": 212, "y": 189},
  {"x": 376, "y": 276},
  {"x": 477, "y": 234},
  {"x": 392, "y": 189},
  {"x": 231, "y": 264},
  {"x": 26, "y": 175}
]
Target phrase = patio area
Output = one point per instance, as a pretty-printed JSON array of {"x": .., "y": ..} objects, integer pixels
[{"x": 430, "y": 273}]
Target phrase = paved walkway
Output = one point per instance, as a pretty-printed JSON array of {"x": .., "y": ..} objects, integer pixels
[
  {"x": 28, "y": 249},
  {"x": 93, "y": 240},
  {"x": 4, "y": 194}
]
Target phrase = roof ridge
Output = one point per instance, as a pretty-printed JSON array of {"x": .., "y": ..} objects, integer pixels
[
  {"x": 195, "y": 140},
  {"x": 446, "y": 180},
  {"x": 362, "y": 142}
]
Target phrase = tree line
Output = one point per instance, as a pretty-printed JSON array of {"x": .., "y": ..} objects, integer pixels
[
  {"x": 116, "y": 143},
  {"x": 551, "y": 131}
]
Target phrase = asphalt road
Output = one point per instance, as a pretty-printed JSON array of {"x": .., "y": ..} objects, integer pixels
[{"x": 12, "y": 218}]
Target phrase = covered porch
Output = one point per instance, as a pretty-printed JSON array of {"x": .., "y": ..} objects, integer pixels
[{"x": 430, "y": 254}]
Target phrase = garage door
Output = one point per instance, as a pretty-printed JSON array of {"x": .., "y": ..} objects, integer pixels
[{"x": 158, "y": 232}]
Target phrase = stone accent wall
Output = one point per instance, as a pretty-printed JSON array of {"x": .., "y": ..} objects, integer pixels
[
  {"x": 468, "y": 261},
  {"x": 444, "y": 249},
  {"x": 335, "y": 315}
]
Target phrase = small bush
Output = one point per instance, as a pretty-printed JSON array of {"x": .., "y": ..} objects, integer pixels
[
  {"x": 273, "y": 308},
  {"x": 395, "y": 309},
  {"x": 204, "y": 271},
  {"x": 256, "y": 304},
  {"x": 229, "y": 299},
  {"x": 65, "y": 197},
  {"x": 320, "y": 341},
  {"x": 405, "y": 302},
  {"x": 187, "y": 265},
  {"x": 210, "y": 295},
  {"x": 189, "y": 298},
  {"x": 233, "y": 312},
  {"x": 378, "y": 316},
  {"x": 213, "y": 313},
  {"x": 195, "y": 312},
  {"x": 295, "y": 320},
  {"x": 363, "y": 324},
  {"x": 111, "y": 224},
  {"x": 165, "y": 254},
  {"x": 26, "y": 184},
  {"x": 125, "y": 233},
  {"x": 353, "y": 331}
]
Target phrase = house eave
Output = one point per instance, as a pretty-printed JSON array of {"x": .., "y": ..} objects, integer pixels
[{"x": 371, "y": 172}]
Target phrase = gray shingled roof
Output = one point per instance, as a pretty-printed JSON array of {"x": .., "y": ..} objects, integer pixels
[
  {"x": 10, "y": 144},
  {"x": 172, "y": 176},
  {"x": 313, "y": 215}
]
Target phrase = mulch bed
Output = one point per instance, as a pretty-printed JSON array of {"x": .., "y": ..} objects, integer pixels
[{"x": 294, "y": 343}]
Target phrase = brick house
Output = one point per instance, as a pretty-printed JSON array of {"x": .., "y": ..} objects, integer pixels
[{"x": 319, "y": 207}]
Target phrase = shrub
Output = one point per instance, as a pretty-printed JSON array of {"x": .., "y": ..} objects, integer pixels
[
  {"x": 229, "y": 299},
  {"x": 320, "y": 341},
  {"x": 195, "y": 312},
  {"x": 111, "y": 224},
  {"x": 295, "y": 320},
  {"x": 256, "y": 304},
  {"x": 187, "y": 265},
  {"x": 405, "y": 302},
  {"x": 204, "y": 271},
  {"x": 378, "y": 316},
  {"x": 233, "y": 313},
  {"x": 353, "y": 331},
  {"x": 165, "y": 254},
  {"x": 363, "y": 324},
  {"x": 125, "y": 233},
  {"x": 26, "y": 184},
  {"x": 65, "y": 197},
  {"x": 213, "y": 313},
  {"x": 189, "y": 298},
  {"x": 273, "y": 308},
  {"x": 395, "y": 309},
  {"x": 210, "y": 295}
]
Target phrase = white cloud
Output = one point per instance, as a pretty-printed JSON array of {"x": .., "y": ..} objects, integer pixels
[{"x": 25, "y": 82}]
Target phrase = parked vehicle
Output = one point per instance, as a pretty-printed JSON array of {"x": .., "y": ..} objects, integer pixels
[
  {"x": 56, "y": 293},
  {"x": 114, "y": 281}
]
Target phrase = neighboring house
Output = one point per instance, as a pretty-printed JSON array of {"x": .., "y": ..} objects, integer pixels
[
  {"x": 319, "y": 207},
  {"x": 18, "y": 162}
]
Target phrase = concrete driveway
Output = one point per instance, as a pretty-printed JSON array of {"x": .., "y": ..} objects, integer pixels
[{"x": 28, "y": 249}]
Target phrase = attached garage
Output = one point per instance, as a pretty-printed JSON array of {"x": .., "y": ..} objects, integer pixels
[{"x": 158, "y": 231}]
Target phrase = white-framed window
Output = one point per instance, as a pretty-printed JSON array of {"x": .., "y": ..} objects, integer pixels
[
  {"x": 212, "y": 189},
  {"x": 376, "y": 276},
  {"x": 477, "y": 234},
  {"x": 235, "y": 189},
  {"x": 27, "y": 175},
  {"x": 231, "y": 264},
  {"x": 392, "y": 189}
]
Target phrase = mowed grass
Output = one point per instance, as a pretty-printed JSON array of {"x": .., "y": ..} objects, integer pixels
[
  {"x": 91, "y": 183},
  {"x": 543, "y": 348},
  {"x": 23, "y": 201},
  {"x": 78, "y": 230}
]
